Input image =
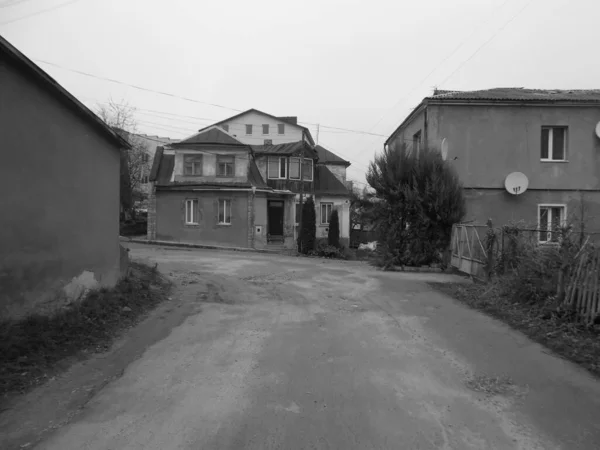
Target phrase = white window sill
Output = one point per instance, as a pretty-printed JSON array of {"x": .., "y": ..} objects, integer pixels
[
  {"x": 554, "y": 160},
  {"x": 224, "y": 224}
]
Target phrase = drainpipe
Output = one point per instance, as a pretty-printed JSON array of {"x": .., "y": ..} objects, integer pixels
[{"x": 425, "y": 125}]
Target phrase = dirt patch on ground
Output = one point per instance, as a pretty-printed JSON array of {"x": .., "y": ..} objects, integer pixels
[{"x": 566, "y": 338}]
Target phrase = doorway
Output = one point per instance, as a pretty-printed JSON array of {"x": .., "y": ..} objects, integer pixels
[{"x": 275, "y": 220}]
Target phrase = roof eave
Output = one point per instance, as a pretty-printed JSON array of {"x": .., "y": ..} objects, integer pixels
[{"x": 414, "y": 112}]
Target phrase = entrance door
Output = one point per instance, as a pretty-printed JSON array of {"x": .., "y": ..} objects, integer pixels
[{"x": 275, "y": 219}]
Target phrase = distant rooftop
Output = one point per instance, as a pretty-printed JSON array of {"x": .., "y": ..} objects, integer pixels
[
  {"x": 521, "y": 94},
  {"x": 159, "y": 139}
]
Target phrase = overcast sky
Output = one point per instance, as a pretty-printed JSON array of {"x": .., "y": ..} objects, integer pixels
[{"x": 359, "y": 65}]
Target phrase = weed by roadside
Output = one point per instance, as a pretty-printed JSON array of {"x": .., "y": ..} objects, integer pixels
[
  {"x": 32, "y": 347},
  {"x": 540, "y": 322}
]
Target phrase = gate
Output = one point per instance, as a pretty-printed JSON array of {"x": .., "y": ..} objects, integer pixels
[{"x": 468, "y": 251}]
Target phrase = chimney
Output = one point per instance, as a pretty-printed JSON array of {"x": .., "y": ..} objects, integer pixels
[{"x": 289, "y": 119}]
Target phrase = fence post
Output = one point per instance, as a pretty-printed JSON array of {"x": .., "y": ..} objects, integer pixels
[{"x": 490, "y": 248}]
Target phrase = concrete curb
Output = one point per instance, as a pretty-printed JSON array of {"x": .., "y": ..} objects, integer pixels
[{"x": 190, "y": 245}]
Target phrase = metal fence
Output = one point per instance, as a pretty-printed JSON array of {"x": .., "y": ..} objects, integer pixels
[{"x": 468, "y": 252}]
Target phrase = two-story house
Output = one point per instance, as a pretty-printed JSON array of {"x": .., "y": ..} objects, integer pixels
[
  {"x": 547, "y": 137},
  {"x": 264, "y": 163}
]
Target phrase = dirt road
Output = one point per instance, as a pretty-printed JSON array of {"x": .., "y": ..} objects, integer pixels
[{"x": 294, "y": 353}]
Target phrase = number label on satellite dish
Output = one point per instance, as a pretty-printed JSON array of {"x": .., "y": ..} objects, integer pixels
[{"x": 516, "y": 183}]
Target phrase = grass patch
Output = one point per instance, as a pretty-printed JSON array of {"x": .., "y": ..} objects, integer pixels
[
  {"x": 559, "y": 333},
  {"x": 33, "y": 347}
]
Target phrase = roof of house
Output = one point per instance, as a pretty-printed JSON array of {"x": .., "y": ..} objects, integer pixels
[
  {"x": 505, "y": 95},
  {"x": 326, "y": 183},
  {"x": 158, "y": 139},
  {"x": 288, "y": 119},
  {"x": 163, "y": 165},
  {"x": 210, "y": 135},
  {"x": 521, "y": 94},
  {"x": 327, "y": 157},
  {"x": 52, "y": 85},
  {"x": 288, "y": 148}
]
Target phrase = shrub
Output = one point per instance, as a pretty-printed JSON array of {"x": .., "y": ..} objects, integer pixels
[
  {"x": 308, "y": 229},
  {"x": 419, "y": 199},
  {"x": 333, "y": 235}
]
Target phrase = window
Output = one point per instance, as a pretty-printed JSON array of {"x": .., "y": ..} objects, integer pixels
[
  {"x": 145, "y": 157},
  {"x": 225, "y": 166},
  {"x": 145, "y": 179},
  {"x": 248, "y": 129},
  {"x": 326, "y": 209},
  {"x": 417, "y": 142},
  {"x": 225, "y": 127},
  {"x": 554, "y": 144},
  {"x": 307, "y": 170},
  {"x": 281, "y": 128},
  {"x": 294, "y": 168},
  {"x": 277, "y": 168},
  {"x": 266, "y": 129},
  {"x": 225, "y": 212},
  {"x": 192, "y": 164},
  {"x": 191, "y": 212},
  {"x": 550, "y": 218}
]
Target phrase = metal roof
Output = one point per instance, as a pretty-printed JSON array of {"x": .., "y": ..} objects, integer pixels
[
  {"x": 212, "y": 135},
  {"x": 521, "y": 94},
  {"x": 328, "y": 157},
  {"x": 326, "y": 183},
  {"x": 289, "y": 148}
]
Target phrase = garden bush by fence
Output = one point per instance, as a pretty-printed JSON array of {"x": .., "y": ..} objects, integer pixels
[{"x": 563, "y": 272}]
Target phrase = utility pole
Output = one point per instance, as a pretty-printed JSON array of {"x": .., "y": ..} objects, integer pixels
[{"x": 301, "y": 196}]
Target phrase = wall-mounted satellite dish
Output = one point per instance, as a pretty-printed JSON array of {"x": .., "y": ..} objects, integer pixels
[
  {"x": 598, "y": 129},
  {"x": 516, "y": 183},
  {"x": 444, "y": 148}
]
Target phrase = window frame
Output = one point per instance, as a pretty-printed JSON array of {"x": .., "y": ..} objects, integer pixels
[
  {"x": 299, "y": 160},
  {"x": 198, "y": 158},
  {"x": 195, "y": 212},
  {"x": 312, "y": 170},
  {"x": 219, "y": 162},
  {"x": 249, "y": 127},
  {"x": 267, "y": 127},
  {"x": 278, "y": 177},
  {"x": 417, "y": 142},
  {"x": 551, "y": 129},
  {"x": 281, "y": 128},
  {"x": 328, "y": 219},
  {"x": 549, "y": 231},
  {"x": 224, "y": 202}
]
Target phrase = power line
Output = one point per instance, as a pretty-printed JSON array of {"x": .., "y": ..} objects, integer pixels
[
  {"x": 460, "y": 45},
  {"x": 38, "y": 12},
  {"x": 488, "y": 41},
  {"x": 13, "y": 3},
  {"x": 136, "y": 87}
]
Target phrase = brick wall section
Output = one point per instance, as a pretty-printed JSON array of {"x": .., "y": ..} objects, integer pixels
[
  {"x": 152, "y": 212},
  {"x": 250, "y": 220}
]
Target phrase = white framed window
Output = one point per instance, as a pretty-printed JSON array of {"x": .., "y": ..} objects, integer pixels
[
  {"x": 554, "y": 144},
  {"x": 225, "y": 165},
  {"x": 224, "y": 212},
  {"x": 281, "y": 128},
  {"x": 277, "y": 168},
  {"x": 417, "y": 142},
  {"x": 307, "y": 169},
  {"x": 326, "y": 209},
  {"x": 249, "y": 129},
  {"x": 191, "y": 211},
  {"x": 550, "y": 218},
  {"x": 294, "y": 168},
  {"x": 192, "y": 164},
  {"x": 265, "y": 128}
]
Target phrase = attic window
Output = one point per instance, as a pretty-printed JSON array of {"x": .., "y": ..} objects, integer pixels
[
  {"x": 192, "y": 164},
  {"x": 280, "y": 128},
  {"x": 225, "y": 165},
  {"x": 265, "y": 128}
]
